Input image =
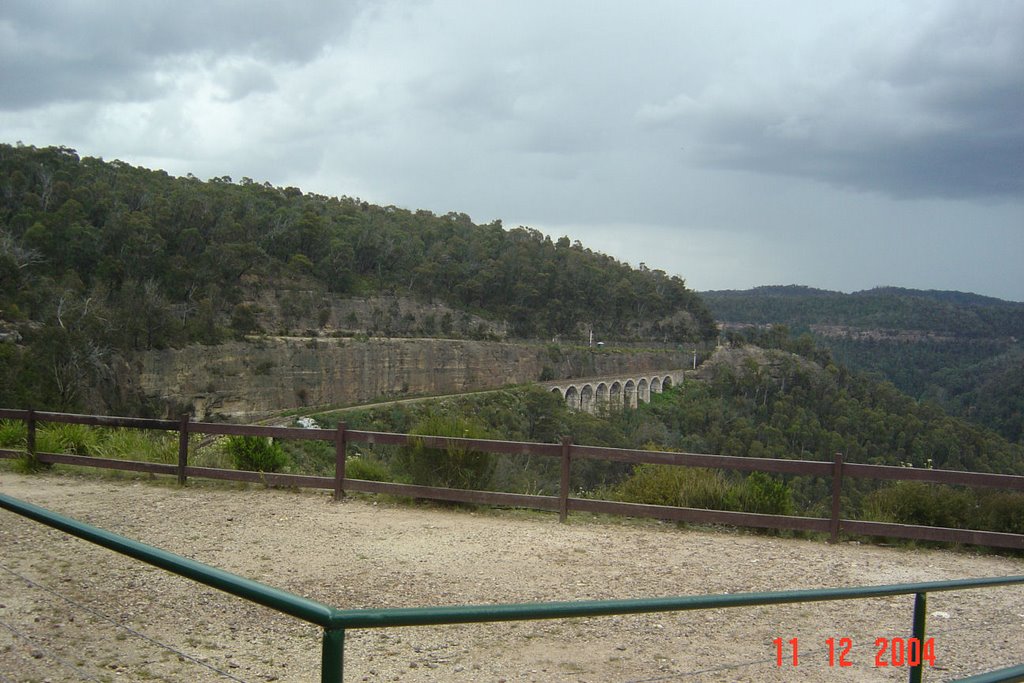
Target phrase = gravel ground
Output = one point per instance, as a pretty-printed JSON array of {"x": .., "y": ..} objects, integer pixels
[{"x": 72, "y": 611}]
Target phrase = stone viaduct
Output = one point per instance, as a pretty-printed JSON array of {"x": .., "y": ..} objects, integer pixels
[{"x": 589, "y": 394}]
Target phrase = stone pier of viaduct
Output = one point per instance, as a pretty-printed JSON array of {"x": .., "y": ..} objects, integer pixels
[{"x": 589, "y": 394}]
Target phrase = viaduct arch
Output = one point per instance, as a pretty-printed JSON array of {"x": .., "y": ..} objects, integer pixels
[{"x": 591, "y": 394}]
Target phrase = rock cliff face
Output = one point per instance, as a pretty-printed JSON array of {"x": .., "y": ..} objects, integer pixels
[{"x": 244, "y": 381}]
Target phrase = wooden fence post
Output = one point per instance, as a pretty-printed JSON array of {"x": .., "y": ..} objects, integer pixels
[
  {"x": 30, "y": 436},
  {"x": 563, "y": 496},
  {"x": 182, "y": 448},
  {"x": 339, "y": 462},
  {"x": 837, "y": 491}
]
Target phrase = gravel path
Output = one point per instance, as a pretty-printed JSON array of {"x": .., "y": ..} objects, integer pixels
[{"x": 72, "y": 611}]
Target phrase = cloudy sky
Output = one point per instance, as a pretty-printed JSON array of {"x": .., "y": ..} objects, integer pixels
[{"x": 841, "y": 145}]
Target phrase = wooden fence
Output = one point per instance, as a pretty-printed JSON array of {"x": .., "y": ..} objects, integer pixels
[{"x": 566, "y": 451}]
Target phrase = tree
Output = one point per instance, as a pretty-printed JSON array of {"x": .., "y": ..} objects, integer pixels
[
  {"x": 453, "y": 466},
  {"x": 256, "y": 454}
]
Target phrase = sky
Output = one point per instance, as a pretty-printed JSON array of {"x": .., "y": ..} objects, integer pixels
[{"x": 842, "y": 145}]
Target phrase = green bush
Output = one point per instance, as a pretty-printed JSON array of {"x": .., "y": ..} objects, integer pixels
[
  {"x": 451, "y": 467},
  {"x": 141, "y": 446},
  {"x": 909, "y": 502},
  {"x": 51, "y": 438},
  {"x": 48, "y": 441},
  {"x": 366, "y": 469},
  {"x": 256, "y": 454},
  {"x": 690, "y": 487},
  {"x": 762, "y": 494},
  {"x": 695, "y": 487},
  {"x": 310, "y": 457},
  {"x": 67, "y": 438},
  {"x": 912, "y": 502},
  {"x": 1001, "y": 511},
  {"x": 27, "y": 464},
  {"x": 13, "y": 434}
]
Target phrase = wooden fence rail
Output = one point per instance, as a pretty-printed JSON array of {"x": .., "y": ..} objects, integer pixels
[{"x": 566, "y": 452}]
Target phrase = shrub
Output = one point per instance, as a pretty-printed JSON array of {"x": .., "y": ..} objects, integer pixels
[
  {"x": 309, "y": 457},
  {"x": 48, "y": 440},
  {"x": 451, "y": 467},
  {"x": 256, "y": 454},
  {"x": 13, "y": 434},
  {"x": 695, "y": 487},
  {"x": 762, "y": 494},
  {"x": 691, "y": 487},
  {"x": 27, "y": 464},
  {"x": 366, "y": 469},
  {"x": 142, "y": 446},
  {"x": 67, "y": 438},
  {"x": 911, "y": 502},
  {"x": 245, "y": 319},
  {"x": 1001, "y": 511}
]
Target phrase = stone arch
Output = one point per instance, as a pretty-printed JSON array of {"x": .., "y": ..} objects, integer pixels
[
  {"x": 666, "y": 383},
  {"x": 629, "y": 394},
  {"x": 601, "y": 396},
  {"x": 557, "y": 391},
  {"x": 572, "y": 397},
  {"x": 643, "y": 391},
  {"x": 615, "y": 394},
  {"x": 655, "y": 385},
  {"x": 587, "y": 398}
]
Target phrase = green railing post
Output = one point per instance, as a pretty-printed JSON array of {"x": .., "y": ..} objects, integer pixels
[
  {"x": 182, "y": 448},
  {"x": 563, "y": 494},
  {"x": 920, "y": 613},
  {"x": 339, "y": 462},
  {"x": 332, "y": 664}
]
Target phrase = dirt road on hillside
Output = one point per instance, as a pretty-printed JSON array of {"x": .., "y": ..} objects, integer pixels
[{"x": 72, "y": 611}]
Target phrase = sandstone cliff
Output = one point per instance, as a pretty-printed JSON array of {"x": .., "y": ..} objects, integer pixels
[{"x": 245, "y": 381}]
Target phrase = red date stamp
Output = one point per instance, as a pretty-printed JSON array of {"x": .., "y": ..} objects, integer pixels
[{"x": 888, "y": 652}]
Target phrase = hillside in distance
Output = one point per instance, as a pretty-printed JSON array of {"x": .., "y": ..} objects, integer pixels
[
  {"x": 100, "y": 260},
  {"x": 961, "y": 350},
  {"x": 879, "y": 310}
]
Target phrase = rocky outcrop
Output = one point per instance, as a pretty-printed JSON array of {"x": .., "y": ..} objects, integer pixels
[{"x": 244, "y": 381}]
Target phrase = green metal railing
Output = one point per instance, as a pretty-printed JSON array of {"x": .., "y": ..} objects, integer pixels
[
  {"x": 335, "y": 622},
  {"x": 1007, "y": 675}
]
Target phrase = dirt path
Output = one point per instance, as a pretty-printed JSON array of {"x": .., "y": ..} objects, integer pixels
[{"x": 72, "y": 611}]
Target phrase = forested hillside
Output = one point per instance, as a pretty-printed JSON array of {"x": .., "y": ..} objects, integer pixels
[
  {"x": 962, "y": 351},
  {"x": 934, "y": 313},
  {"x": 99, "y": 259}
]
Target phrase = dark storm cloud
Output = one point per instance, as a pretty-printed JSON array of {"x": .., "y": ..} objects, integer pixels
[
  {"x": 122, "y": 51},
  {"x": 936, "y": 112}
]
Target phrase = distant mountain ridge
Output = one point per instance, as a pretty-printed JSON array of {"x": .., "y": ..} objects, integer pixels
[
  {"x": 798, "y": 291},
  {"x": 952, "y": 313},
  {"x": 950, "y": 296},
  {"x": 961, "y": 350}
]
